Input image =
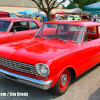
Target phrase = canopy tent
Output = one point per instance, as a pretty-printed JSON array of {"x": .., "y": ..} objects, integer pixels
[
  {"x": 76, "y": 11},
  {"x": 42, "y": 13},
  {"x": 21, "y": 12},
  {"x": 93, "y": 8},
  {"x": 36, "y": 13},
  {"x": 28, "y": 11}
]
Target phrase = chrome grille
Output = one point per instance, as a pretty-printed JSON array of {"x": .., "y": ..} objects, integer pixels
[{"x": 18, "y": 66}]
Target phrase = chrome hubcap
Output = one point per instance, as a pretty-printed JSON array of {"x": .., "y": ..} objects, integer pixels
[{"x": 63, "y": 79}]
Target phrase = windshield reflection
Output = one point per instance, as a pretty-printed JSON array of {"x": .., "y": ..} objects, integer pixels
[{"x": 64, "y": 32}]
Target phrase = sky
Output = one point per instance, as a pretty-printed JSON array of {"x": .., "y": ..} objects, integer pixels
[{"x": 65, "y": 4}]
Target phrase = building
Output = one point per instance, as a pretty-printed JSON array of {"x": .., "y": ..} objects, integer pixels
[{"x": 16, "y": 6}]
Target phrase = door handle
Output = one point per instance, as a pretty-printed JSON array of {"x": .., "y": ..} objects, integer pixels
[{"x": 30, "y": 33}]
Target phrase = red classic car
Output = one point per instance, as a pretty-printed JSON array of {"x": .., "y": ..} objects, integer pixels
[
  {"x": 14, "y": 29},
  {"x": 4, "y": 14},
  {"x": 59, "y": 52}
]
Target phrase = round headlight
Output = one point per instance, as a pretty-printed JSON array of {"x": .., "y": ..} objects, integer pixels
[{"x": 42, "y": 69}]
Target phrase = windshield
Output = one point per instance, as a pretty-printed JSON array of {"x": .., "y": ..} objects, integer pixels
[
  {"x": 70, "y": 33},
  {"x": 4, "y": 25}
]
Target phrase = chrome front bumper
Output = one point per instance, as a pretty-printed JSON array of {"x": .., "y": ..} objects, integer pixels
[{"x": 26, "y": 80}]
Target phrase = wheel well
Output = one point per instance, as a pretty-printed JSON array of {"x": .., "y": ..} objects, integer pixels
[{"x": 72, "y": 74}]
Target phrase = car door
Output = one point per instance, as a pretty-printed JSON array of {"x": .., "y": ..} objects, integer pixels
[
  {"x": 3, "y": 37},
  {"x": 19, "y": 31},
  {"x": 91, "y": 49}
]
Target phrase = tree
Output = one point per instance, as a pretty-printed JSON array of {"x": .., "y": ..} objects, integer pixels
[
  {"x": 71, "y": 6},
  {"x": 47, "y": 6},
  {"x": 82, "y": 3},
  {"x": 64, "y": 7}
]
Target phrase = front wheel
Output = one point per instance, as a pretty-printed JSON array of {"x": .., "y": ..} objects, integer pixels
[{"x": 62, "y": 83}]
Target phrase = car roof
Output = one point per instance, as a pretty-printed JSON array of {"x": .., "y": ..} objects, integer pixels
[
  {"x": 74, "y": 22},
  {"x": 15, "y": 19},
  {"x": 3, "y": 12}
]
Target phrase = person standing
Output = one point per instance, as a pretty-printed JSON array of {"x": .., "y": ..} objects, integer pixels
[
  {"x": 59, "y": 17},
  {"x": 95, "y": 18},
  {"x": 66, "y": 16}
]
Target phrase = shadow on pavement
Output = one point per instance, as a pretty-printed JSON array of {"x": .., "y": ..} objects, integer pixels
[
  {"x": 84, "y": 74},
  {"x": 95, "y": 95},
  {"x": 7, "y": 85}
]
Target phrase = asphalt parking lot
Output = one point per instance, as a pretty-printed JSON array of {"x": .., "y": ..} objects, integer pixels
[{"x": 85, "y": 87}]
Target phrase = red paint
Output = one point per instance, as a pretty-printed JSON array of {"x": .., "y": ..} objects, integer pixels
[
  {"x": 57, "y": 54},
  {"x": 19, "y": 35},
  {"x": 4, "y": 14}
]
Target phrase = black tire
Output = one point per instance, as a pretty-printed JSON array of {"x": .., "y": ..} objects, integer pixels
[{"x": 61, "y": 86}]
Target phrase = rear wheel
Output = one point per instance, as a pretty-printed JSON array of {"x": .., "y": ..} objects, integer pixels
[{"x": 63, "y": 82}]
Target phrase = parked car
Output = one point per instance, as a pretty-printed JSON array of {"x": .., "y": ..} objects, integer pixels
[
  {"x": 14, "y": 29},
  {"x": 76, "y": 17},
  {"x": 4, "y": 14},
  {"x": 59, "y": 52}
]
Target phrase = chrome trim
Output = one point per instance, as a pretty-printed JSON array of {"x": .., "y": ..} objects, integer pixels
[
  {"x": 39, "y": 71},
  {"x": 63, "y": 79},
  {"x": 26, "y": 80},
  {"x": 18, "y": 66}
]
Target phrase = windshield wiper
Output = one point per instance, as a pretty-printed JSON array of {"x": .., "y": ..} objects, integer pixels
[
  {"x": 72, "y": 41},
  {"x": 40, "y": 36},
  {"x": 62, "y": 40},
  {"x": 59, "y": 39},
  {"x": 52, "y": 37}
]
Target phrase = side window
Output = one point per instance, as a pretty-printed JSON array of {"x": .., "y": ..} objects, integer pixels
[
  {"x": 33, "y": 25},
  {"x": 19, "y": 26},
  {"x": 92, "y": 33},
  {"x": 92, "y": 29}
]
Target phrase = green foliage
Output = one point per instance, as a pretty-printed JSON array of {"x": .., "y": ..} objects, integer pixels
[
  {"x": 64, "y": 7},
  {"x": 71, "y": 6},
  {"x": 82, "y": 3},
  {"x": 78, "y": 1}
]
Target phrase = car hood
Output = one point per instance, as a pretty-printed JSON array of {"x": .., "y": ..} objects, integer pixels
[{"x": 35, "y": 50}]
